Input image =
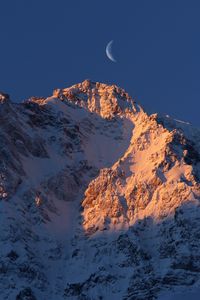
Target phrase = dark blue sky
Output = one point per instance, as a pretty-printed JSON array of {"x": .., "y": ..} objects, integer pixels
[{"x": 46, "y": 44}]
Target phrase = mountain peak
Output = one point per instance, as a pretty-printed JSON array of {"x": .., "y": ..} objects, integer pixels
[
  {"x": 103, "y": 99},
  {"x": 87, "y": 178}
]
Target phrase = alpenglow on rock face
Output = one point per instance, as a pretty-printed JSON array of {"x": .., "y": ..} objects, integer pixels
[{"x": 98, "y": 199}]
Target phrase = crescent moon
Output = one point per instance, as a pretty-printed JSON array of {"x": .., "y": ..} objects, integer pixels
[{"x": 109, "y": 51}]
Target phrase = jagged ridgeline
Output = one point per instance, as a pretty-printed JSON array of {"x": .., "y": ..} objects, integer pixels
[{"x": 98, "y": 199}]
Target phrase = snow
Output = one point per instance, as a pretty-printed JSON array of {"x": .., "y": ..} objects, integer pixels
[
  {"x": 104, "y": 148},
  {"x": 112, "y": 209},
  {"x": 186, "y": 295}
]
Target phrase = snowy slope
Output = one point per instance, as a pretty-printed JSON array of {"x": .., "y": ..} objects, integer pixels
[{"x": 98, "y": 200}]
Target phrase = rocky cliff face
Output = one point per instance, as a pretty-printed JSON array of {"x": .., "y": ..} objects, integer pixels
[{"x": 98, "y": 199}]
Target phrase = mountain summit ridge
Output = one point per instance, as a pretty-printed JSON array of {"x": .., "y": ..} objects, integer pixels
[
  {"x": 98, "y": 199},
  {"x": 106, "y": 100}
]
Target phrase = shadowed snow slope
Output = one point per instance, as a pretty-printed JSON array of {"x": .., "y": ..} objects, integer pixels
[{"x": 98, "y": 200}]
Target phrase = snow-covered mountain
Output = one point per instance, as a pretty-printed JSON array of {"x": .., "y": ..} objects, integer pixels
[{"x": 98, "y": 199}]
